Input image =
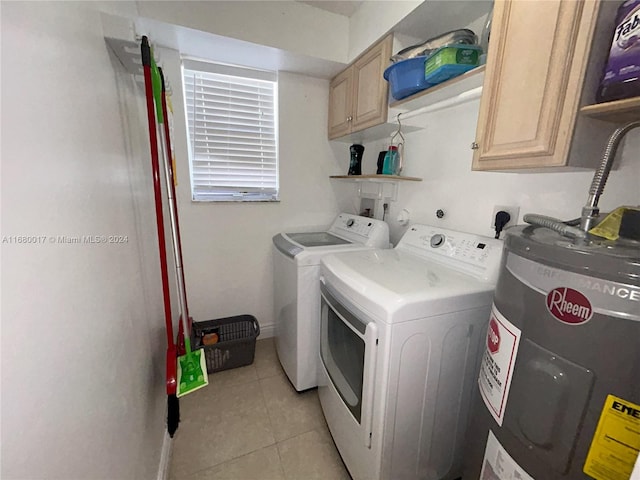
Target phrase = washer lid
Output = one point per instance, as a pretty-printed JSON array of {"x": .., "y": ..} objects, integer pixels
[
  {"x": 396, "y": 286},
  {"x": 305, "y": 256},
  {"x": 316, "y": 239}
]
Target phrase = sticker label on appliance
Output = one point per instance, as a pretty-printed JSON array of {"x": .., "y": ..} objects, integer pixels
[
  {"x": 616, "y": 443},
  {"x": 569, "y": 306},
  {"x": 614, "y": 299},
  {"x": 496, "y": 368},
  {"x": 498, "y": 464}
]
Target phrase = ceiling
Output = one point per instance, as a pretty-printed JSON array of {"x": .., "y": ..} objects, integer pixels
[
  {"x": 198, "y": 45},
  {"x": 346, "y": 8}
]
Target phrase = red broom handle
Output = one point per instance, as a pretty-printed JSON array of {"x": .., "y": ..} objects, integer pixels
[{"x": 153, "y": 142}]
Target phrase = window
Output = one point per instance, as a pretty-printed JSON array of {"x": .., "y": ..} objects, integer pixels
[{"x": 232, "y": 118}]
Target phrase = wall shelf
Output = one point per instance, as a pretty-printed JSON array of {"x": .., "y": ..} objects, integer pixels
[
  {"x": 384, "y": 130},
  {"x": 618, "y": 111},
  {"x": 444, "y": 91},
  {"x": 376, "y": 178},
  {"x": 461, "y": 89}
]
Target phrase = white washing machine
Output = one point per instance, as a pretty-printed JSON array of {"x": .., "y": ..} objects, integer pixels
[
  {"x": 296, "y": 293},
  {"x": 399, "y": 346}
]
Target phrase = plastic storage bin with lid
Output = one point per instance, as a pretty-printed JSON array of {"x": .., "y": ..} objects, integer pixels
[{"x": 450, "y": 61}]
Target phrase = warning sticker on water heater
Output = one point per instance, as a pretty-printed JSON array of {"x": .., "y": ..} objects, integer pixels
[
  {"x": 498, "y": 464},
  {"x": 616, "y": 443},
  {"x": 496, "y": 368}
]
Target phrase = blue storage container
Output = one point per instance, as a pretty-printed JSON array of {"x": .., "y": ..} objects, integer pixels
[{"x": 406, "y": 77}]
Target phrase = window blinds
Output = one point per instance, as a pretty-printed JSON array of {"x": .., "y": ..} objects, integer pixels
[{"x": 232, "y": 121}]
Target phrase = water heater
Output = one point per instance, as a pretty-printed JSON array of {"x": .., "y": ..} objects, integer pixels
[{"x": 559, "y": 383}]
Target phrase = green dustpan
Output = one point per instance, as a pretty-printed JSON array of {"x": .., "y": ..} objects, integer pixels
[{"x": 192, "y": 366}]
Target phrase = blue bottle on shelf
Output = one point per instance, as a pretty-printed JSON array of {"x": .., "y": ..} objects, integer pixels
[{"x": 390, "y": 161}]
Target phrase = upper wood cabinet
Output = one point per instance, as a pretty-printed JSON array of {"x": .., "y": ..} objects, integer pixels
[
  {"x": 358, "y": 96},
  {"x": 534, "y": 83},
  {"x": 340, "y": 101}
]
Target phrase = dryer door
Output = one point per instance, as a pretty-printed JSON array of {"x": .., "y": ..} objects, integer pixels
[{"x": 348, "y": 346}]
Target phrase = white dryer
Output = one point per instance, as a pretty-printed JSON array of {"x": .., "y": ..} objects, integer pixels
[
  {"x": 399, "y": 345},
  {"x": 296, "y": 293}
]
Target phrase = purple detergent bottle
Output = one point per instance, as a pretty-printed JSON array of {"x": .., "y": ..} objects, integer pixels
[{"x": 621, "y": 77}]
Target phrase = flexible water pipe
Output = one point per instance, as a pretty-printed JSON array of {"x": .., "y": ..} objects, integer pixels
[
  {"x": 590, "y": 211},
  {"x": 555, "y": 225}
]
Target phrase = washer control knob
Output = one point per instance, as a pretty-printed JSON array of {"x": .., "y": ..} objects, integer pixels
[
  {"x": 350, "y": 222},
  {"x": 437, "y": 240}
]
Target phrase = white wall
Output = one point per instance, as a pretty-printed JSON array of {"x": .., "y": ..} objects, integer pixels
[
  {"x": 373, "y": 20},
  {"x": 227, "y": 246},
  {"x": 285, "y": 25},
  {"x": 83, "y": 345},
  {"x": 441, "y": 155}
]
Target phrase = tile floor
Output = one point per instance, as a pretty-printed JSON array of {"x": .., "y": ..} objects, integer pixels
[{"x": 251, "y": 424}]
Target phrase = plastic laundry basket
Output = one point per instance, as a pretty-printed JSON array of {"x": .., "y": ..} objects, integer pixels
[{"x": 236, "y": 344}]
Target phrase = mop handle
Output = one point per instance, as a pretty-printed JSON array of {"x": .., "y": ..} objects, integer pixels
[
  {"x": 172, "y": 191},
  {"x": 157, "y": 91}
]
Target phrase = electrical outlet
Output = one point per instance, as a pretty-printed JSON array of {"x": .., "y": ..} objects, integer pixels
[{"x": 512, "y": 211}]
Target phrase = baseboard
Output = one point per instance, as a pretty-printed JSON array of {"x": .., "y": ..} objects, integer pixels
[
  {"x": 267, "y": 331},
  {"x": 165, "y": 457}
]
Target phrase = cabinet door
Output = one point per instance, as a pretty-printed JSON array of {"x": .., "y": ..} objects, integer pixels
[
  {"x": 370, "y": 89},
  {"x": 533, "y": 82},
  {"x": 340, "y": 104}
]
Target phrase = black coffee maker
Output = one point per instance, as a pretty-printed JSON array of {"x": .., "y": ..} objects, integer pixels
[{"x": 355, "y": 164}]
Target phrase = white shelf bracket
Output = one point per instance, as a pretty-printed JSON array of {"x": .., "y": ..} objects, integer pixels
[
  {"x": 385, "y": 188},
  {"x": 384, "y": 192}
]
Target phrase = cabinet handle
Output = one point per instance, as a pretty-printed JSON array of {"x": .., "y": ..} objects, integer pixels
[
  {"x": 349, "y": 119},
  {"x": 475, "y": 146}
]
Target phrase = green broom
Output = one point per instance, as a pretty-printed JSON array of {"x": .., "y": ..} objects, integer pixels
[{"x": 192, "y": 366}]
